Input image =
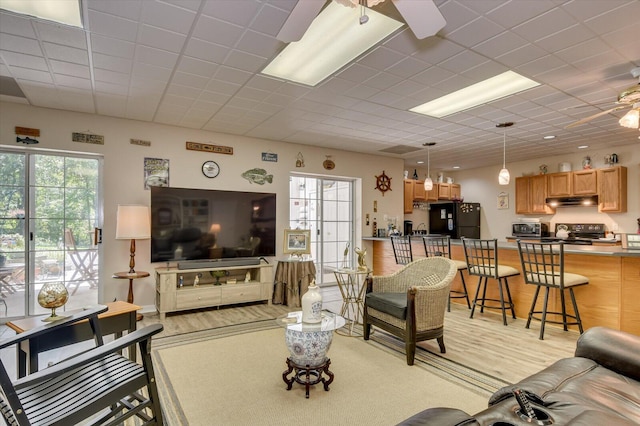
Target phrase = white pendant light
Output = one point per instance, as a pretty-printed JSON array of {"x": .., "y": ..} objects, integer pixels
[
  {"x": 428, "y": 183},
  {"x": 504, "y": 177}
]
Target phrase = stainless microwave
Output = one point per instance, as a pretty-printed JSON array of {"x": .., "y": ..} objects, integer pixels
[{"x": 530, "y": 229}]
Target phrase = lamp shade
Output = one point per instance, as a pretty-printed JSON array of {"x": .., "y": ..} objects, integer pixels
[
  {"x": 133, "y": 223},
  {"x": 428, "y": 184},
  {"x": 631, "y": 119}
]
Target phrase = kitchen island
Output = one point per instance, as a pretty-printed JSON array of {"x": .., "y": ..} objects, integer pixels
[{"x": 611, "y": 299}]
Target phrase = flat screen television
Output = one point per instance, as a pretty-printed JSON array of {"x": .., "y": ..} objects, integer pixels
[{"x": 201, "y": 224}]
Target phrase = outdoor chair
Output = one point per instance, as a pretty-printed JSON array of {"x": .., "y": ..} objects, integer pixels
[
  {"x": 543, "y": 266},
  {"x": 441, "y": 246},
  {"x": 83, "y": 262},
  {"x": 411, "y": 302},
  {"x": 402, "y": 249},
  {"x": 98, "y": 386}
]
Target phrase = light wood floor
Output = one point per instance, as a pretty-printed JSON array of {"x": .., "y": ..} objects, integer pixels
[{"x": 507, "y": 352}]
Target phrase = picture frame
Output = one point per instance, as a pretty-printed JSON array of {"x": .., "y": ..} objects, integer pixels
[
  {"x": 503, "y": 201},
  {"x": 297, "y": 241}
]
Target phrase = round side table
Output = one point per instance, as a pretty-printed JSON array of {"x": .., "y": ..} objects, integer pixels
[{"x": 131, "y": 276}]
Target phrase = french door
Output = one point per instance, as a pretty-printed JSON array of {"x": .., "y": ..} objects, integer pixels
[
  {"x": 49, "y": 210},
  {"x": 325, "y": 207}
]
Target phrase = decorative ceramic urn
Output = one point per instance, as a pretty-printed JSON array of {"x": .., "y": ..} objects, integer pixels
[{"x": 312, "y": 304}]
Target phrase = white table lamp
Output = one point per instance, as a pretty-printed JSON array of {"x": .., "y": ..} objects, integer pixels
[{"x": 133, "y": 223}]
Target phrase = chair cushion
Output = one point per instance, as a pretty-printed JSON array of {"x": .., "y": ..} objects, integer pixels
[
  {"x": 503, "y": 271},
  {"x": 569, "y": 279},
  {"x": 394, "y": 304},
  {"x": 460, "y": 264}
]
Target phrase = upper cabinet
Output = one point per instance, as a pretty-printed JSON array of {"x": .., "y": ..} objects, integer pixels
[
  {"x": 559, "y": 184},
  {"x": 609, "y": 184},
  {"x": 612, "y": 190},
  {"x": 531, "y": 195},
  {"x": 585, "y": 182},
  {"x": 414, "y": 191}
]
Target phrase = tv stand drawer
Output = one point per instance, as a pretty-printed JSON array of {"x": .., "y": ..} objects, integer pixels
[
  {"x": 198, "y": 298},
  {"x": 238, "y": 293}
]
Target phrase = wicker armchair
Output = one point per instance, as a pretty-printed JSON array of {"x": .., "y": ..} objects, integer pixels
[{"x": 411, "y": 302}]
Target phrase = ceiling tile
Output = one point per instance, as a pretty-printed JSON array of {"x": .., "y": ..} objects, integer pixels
[
  {"x": 18, "y": 44},
  {"x": 105, "y": 62},
  {"x": 237, "y": 12},
  {"x": 112, "y": 26},
  {"x": 129, "y": 9},
  {"x": 157, "y": 57},
  {"x": 11, "y": 23},
  {"x": 67, "y": 68},
  {"x": 161, "y": 39},
  {"x": 204, "y": 50},
  {"x": 64, "y": 35},
  {"x": 25, "y": 61},
  {"x": 217, "y": 31},
  {"x": 112, "y": 47},
  {"x": 167, "y": 16}
]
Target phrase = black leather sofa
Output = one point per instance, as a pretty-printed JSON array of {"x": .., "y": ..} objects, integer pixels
[{"x": 600, "y": 385}]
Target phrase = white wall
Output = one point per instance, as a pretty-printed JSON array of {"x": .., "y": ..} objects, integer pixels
[{"x": 123, "y": 173}]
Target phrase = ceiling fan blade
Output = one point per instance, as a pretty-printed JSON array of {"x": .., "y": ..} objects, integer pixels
[
  {"x": 302, "y": 15},
  {"x": 422, "y": 16},
  {"x": 601, "y": 113}
]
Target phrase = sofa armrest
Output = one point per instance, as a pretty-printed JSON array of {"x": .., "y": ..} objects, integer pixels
[
  {"x": 440, "y": 417},
  {"x": 613, "y": 349}
]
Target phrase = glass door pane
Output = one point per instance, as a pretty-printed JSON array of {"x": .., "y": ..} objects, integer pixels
[
  {"x": 63, "y": 216},
  {"x": 12, "y": 235}
]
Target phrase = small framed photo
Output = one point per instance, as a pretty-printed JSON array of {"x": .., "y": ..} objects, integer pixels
[
  {"x": 503, "y": 201},
  {"x": 297, "y": 241}
]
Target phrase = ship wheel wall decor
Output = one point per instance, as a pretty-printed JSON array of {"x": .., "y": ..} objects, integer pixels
[{"x": 383, "y": 183}]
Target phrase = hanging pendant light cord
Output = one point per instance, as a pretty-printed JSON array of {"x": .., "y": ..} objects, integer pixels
[
  {"x": 504, "y": 149},
  {"x": 428, "y": 161}
]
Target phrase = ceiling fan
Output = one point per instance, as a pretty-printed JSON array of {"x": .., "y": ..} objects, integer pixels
[
  {"x": 422, "y": 16},
  {"x": 628, "y": 98}
]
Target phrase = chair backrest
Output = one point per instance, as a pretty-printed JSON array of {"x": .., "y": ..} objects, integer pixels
[
  {"x": 402, "y": 249},
  {"x": 481, "y": 257},
  {"x": 437, "y": 246},
  {"x": 69, "y": 241},
  {"x": 542, "y": 263}
]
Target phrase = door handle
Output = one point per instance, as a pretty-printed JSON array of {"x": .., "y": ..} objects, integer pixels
[{"x": 97, "y": 236}]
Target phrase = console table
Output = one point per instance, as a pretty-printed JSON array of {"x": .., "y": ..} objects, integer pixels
[
  {"x": 292, "y": 280},
  {"x": 119, "y": 317}
]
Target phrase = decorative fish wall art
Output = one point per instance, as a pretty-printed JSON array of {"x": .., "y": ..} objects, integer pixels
[{"x": 257, "y": 176}]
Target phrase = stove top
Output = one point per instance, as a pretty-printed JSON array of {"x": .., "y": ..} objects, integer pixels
[{"x": 579, "y": 233}]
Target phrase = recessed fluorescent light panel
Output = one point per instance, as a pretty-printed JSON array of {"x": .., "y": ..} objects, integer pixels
[
  {"x": 333, "y": 40},
  {"x": 61, "y": 11},
  {"x": 497, "y": 87}
]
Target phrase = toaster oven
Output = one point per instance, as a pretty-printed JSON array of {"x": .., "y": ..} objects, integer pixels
[{"x": 530, "y": 229}]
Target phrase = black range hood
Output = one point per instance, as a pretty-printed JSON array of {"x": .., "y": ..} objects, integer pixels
[{"x": 577, "y": 201}]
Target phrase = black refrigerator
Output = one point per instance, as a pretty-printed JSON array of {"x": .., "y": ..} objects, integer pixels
[{"x": 455, "y": 219}]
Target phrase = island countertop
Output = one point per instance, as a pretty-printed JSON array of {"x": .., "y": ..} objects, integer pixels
[
  {"x": 600, "y": 250},
  {"x": 611, "y": 299}
]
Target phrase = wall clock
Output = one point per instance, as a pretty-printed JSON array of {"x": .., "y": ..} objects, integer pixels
[
  {"x": 210, "y": 169},
  {"x": 383, "y": 183}
]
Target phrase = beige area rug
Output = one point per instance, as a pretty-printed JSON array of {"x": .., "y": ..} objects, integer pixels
[{"x": 233, "y": 376}]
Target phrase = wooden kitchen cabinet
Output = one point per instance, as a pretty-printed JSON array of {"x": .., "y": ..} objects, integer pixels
[
  {"x": 456, "y": 191},
  {"x": 531, "y": 195},
  {"x": 444, "y": 191},
  {"x": 419, "y": 193},
  {"x": 432, "y": 194},
  {"x": 612, "y": 190},
  {"x": 559, "y": 184},
  {"x": 584, "y": 182},
  {"x": 408, "y": 196}
]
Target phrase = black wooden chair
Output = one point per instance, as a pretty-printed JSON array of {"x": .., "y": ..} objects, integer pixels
[
  {"x": 98, "y": 384},
  {"x": 402, "y": 249},
  {"x": 543, "y": 266}
]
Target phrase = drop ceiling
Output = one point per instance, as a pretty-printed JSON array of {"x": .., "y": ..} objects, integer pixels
[{"x": 196, "y": 64}]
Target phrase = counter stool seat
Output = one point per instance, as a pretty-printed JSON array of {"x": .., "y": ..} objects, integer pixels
[
  {"x": 482, "y": 261},
  {"x": 543, "y": 266},
  {"x": 441, "y": 246}
]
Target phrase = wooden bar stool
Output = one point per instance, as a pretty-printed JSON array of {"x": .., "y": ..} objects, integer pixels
[
  {"x": 441, "y": 246},
  {"x": 402, "y": 249},
  {"x": 482, "y": 261},
  {"x": 543, "y": 266}
]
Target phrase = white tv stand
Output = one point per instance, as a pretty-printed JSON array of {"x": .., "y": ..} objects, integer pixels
[{"x": 211, "y": 291}]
